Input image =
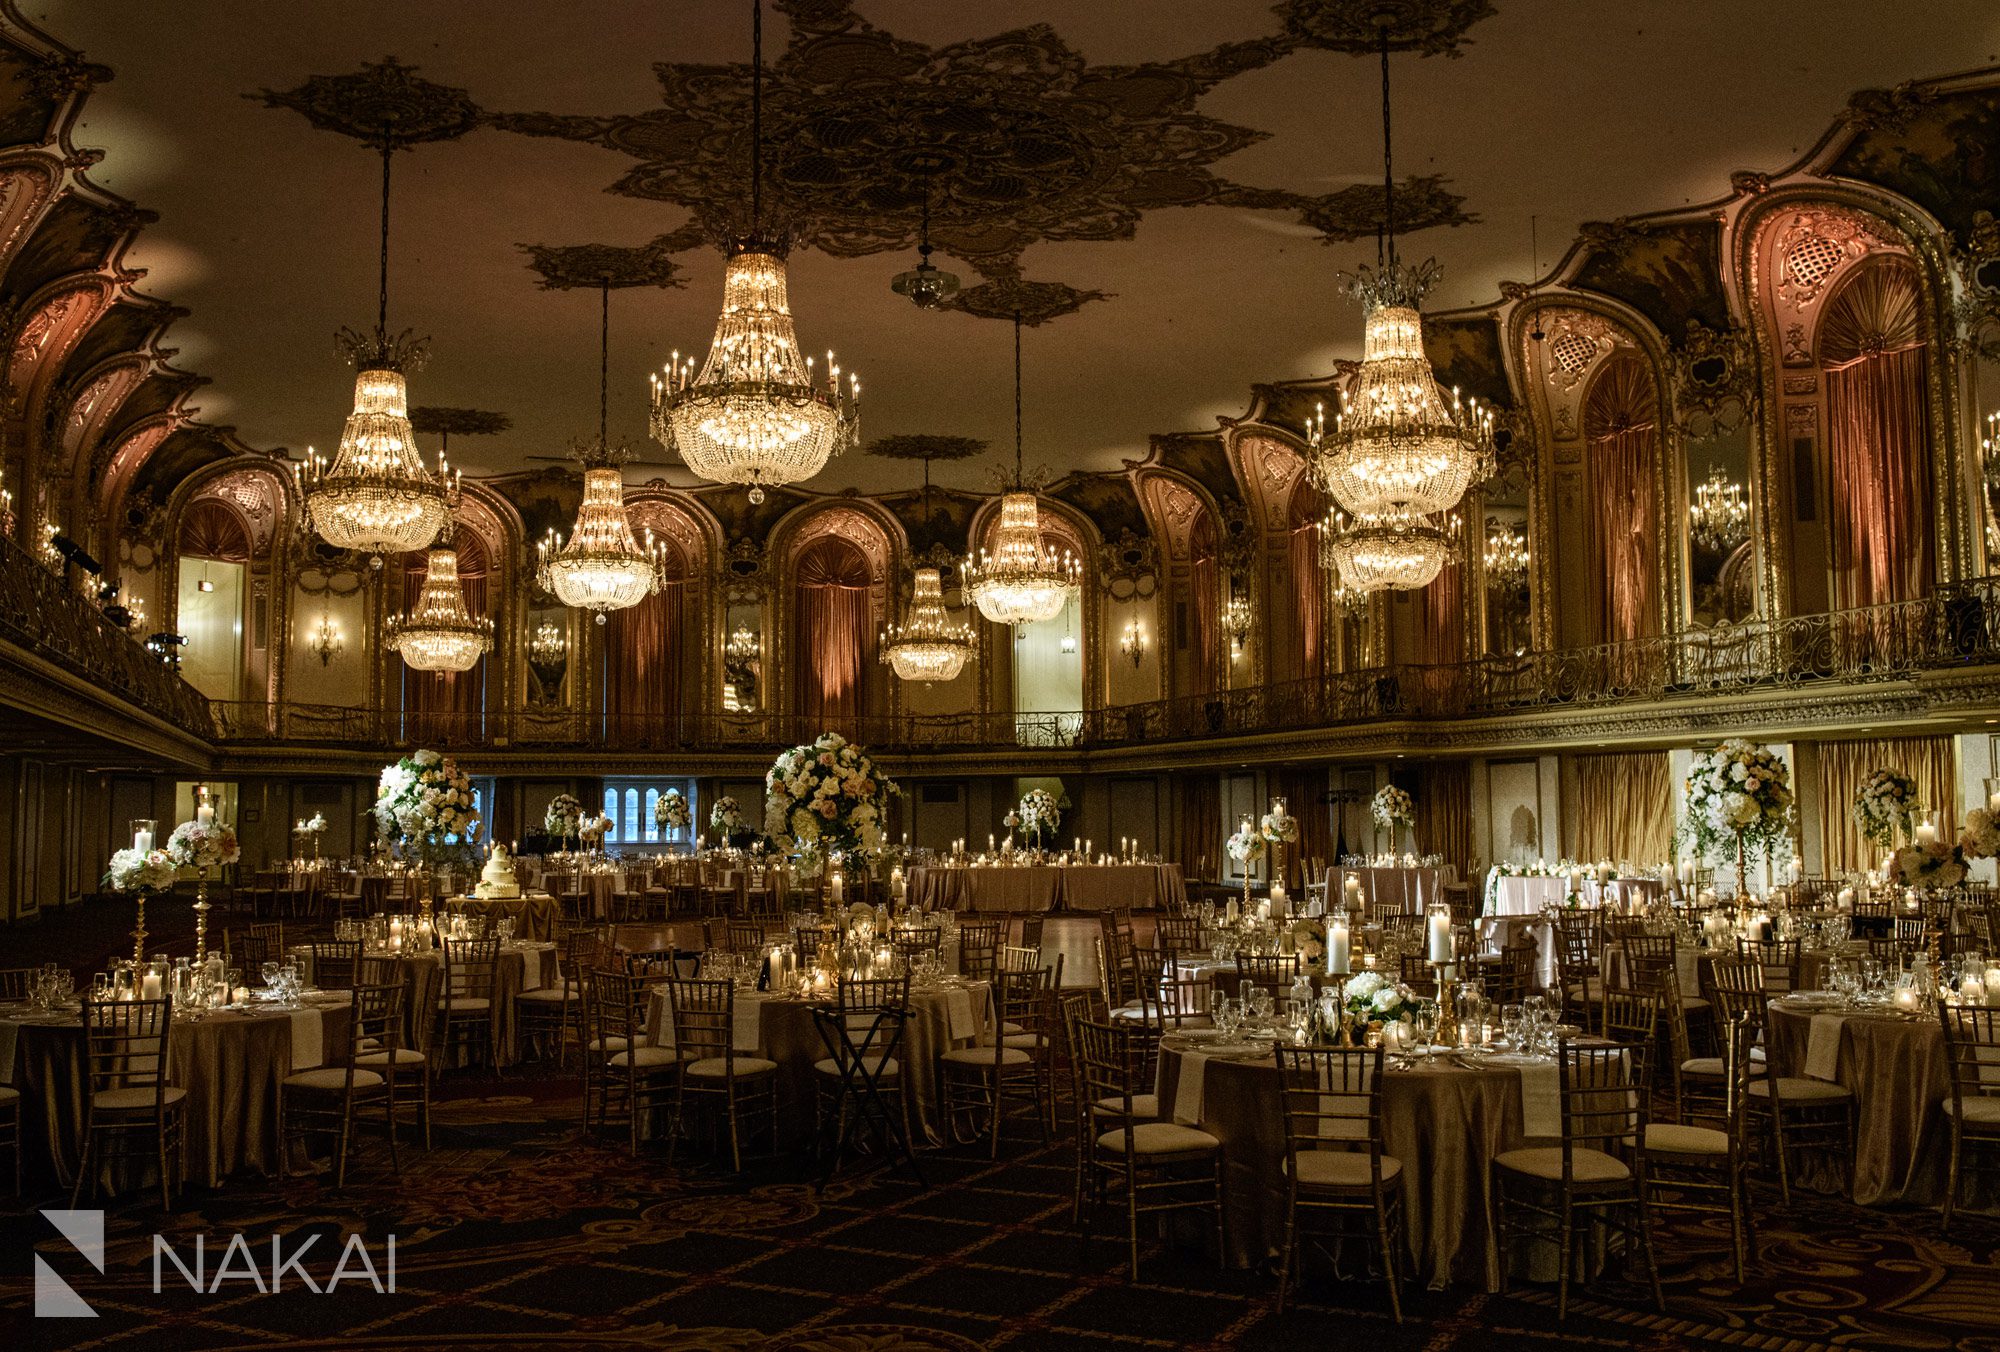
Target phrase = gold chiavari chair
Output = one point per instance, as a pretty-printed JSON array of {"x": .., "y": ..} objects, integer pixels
[
  {"x": 742, "y": 1087},
  {"x": 1689, "y": 1167},
  {"x": 1972, "y": 1057},
  {"x": 979, "y": 1081},
  {"x": 465, "y": 1007},
  {"x": 326, "y": 1101},
  {"x": 125, "y": 1062},
  {"x": 1335, "y": 1168},
  {"x": 624, "y": 1074},
  {"x": 979, "y": 949}
]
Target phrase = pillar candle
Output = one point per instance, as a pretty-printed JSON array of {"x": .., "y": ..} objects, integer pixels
[
  {"x": 149, "y": 986},
  {"x": 1338, "y": 954},
  {"x": 1440, "y": 937}
]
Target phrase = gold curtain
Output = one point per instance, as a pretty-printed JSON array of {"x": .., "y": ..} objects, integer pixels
[
  {"x": 1198, "y": 846},
  {"x": 1878, "y": 438},
  {"x": 1304, "y": 792},
  {"x": 1931, "y": 761},
  {"x": 1308, "y": 609},
  {"x": 1443, "y": 794},
  {"x": 1441, "y": 618},
  {"x": 644, "y": 661},
  {"x": 1625, "y": 807},
  {"x": 833, "y": 642},
  {"x": 1204, "y": 600},
  {"x": 1620, "y": 422}
]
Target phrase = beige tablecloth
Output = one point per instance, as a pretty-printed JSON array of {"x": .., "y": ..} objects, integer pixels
[
  {"x": 1896, "y": 1068},
  {"x": 537, "y": 915},
  {"x": 422, "y": 973},
  {"x": 940, "y": 1018},
  {"x": 1404, "y": 885},
  {"x": 1047, "y": 887}
]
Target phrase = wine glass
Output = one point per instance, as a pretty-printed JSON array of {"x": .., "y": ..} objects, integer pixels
[
  {"x": 1513, "y": 1027},
  {"x": 269, "y": 971}
]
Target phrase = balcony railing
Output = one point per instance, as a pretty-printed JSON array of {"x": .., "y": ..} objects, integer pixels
[
  {"x": 42, "y": 614},
  {"x": 1957, "y": 626}
]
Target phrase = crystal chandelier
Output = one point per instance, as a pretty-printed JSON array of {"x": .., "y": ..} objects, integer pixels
[
  {"x": 1719, "y": 519},
  {"x": 1398, "y": 447},
  {"x": 1392, "y": 551},
  {"x": 927, "y": 285},
  {"x": 1236, "y": 622},
  {"x": 927, "y": 646},
  {"x": 755, "y": 414},
  {"x": 1023, "y": 580},
  {"x": 1506, "y": 555},
  {"x": 548, "y": 648},
  {"x": 439, "y": 634},
  {"x": 601, "y": 567},
  {"x": 376, "y": 496}
]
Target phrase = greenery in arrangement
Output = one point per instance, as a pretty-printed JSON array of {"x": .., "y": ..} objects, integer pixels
[
  {"x": 140, "y": 871},
  {"x": 423, "y": 807},
  {"x": 1885, "y": 805},
  {"x": 671, "y": 811},
  {"x": 1739, "y": 798},
  {"x": 826, "y": 797},
  {"x": 1246, "y": 847},
  {"x": 1038, "y": 814},
  {"x": 1392, "y": 807},
  {"x": 563, "y": 817}
]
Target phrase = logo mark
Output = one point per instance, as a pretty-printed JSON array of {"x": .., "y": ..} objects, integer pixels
[{"x": 54, "y": 1299}]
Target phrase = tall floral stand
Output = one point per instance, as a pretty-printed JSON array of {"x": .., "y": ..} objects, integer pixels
[
  {"x": 139, "y": 931},
  {"x": 200, "y": 919}
]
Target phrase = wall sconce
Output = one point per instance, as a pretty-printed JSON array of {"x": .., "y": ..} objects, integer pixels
[
  {"x": 1133, "y": 643},
  {"x": 327, "y": 640}
]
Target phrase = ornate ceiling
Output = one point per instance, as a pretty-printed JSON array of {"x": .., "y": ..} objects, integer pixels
[{"x": 1165, "y": 187}]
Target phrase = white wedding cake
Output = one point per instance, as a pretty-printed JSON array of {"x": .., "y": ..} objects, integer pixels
[{"x": 497, "y": 878}]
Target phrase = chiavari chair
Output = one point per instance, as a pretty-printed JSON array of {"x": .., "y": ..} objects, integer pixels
[
  {"x": 465, "y": 1005},
  {"x": 979, "y": 1081},
  {"x": 1180, "y": 933},
  {"x": 128, "y": 1097},
  {"x": 741, "y": 1086},
  {"x": 1779, "y": 960},
  {"x": 1335, "y": 1168},
  {"x": 14, "y": 982},
  {"x": 630, "y": 1076},
  {"x": 1273, "y": 972},
  {"x": 325, "y": 1101},
  {"x": 1690, "y": 1167},
  {"x": 1972, "y": 1109},
  {"x": 979, "y": 949}
]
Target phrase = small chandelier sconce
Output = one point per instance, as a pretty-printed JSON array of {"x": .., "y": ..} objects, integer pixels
[
  {"x": 1236, "y": 622},
  {"x": 327, "y": 640},
  {"x": 548, "y": 657},
  {"x": 1133, "y": 642},
  {"x": 1719, "y": 518}
]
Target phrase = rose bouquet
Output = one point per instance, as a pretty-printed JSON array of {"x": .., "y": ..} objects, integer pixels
[
  {"x": 1307, "y": 935},
  {"x": 1039, "y": 814},
  {"x": 1392, "y": 807},
  {"x": 1246, "y": 847},
  {"x": 1885, "y": 804},
  {"x": 1980, "y": 837},
  {"x": 726, "y": 816},
  {"x": 671, "y": 812},
  {"x": 1278, "y": 826},
  {"x": 203, "y": 845},
  {"x": 1739, "y": 793},
  {"x": 1371, "y": 995},
  {"x": 563, "y": 816},
  {"x": 594, "y": 829},
  {"x": 140, "y": 871},
  {"x": 1939, "y": 864},
  {"x": 424, "y": 804},
  {"x": 826, "y": 796}
]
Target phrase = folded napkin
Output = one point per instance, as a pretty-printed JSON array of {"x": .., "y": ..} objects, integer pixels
[
  {"x": 531, "y": 964},
  {"x": 1823, "y": 1046},
  {"x": 9, "y": 1032},
  {"x": 1189, "y": 1092},
  {"x": 308, "y": 1038},
  {"x": 747, "y": 1027},
  {"x": 1541, "y": 1101},
  {"x": 959, "y": 1013}
]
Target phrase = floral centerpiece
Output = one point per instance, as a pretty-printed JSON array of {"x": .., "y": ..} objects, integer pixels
[
  {"x": 1884, "y": 805},
  {"x": 1979, "y": 838},
  {"x": 423, "y": 803},
  {"x": 726, "y": 817},
  {"x": 1039, "y": 814},
  {"x": 1307, "y": 937},
  {"x": 1940, "y": 864},
  {"x": 1246, "y": 847},
  {"x": 203, "y": 845},
  {"x": 1372, "y": 996},
  {"x": 826, "y": 796},
  {"x": 1738, "y": 793},
  {"x": 594, "y": 829},
  {"x": 1392, "y": 807},
  {"x": 563, "y": 816},
  {"x": 140, "y": 871},
  {"x": 1279, "y": 828},
  {"x": 671, "y": 812}
]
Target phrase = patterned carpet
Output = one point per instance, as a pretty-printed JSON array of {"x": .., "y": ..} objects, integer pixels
[{"x": 515, "y": 1232}]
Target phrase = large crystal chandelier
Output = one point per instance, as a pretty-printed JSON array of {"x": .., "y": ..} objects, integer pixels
[
  {"x": 1400, "y": 453},
  {"x": 601, "y": 567},
  {"x": 1507, "y": 556},
  {"x": 376, "y": 496},
  {"x": 439, "y": 633},
  {"x": 1719, "y": 518},
  {"x": 755, "y": 414},
  {"x": 1022, "y": 580},
  {"x": 927, "y": 646}
]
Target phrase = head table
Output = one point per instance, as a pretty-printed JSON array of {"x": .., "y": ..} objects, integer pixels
[
  {"x": 1047, "y": 887},
  {"x": 230, "y": 1061}
]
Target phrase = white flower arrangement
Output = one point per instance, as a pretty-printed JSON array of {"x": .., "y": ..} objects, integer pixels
[
  {"x": 1392, "y": 807},
  {"x": 1039, "y": 814},
  {"x": 1371, "y": 995},
  {"x": 1308, "y": 937},
  {"x": 1885, "y": 804},
  {"x": 140, "y": 871},
  {"x": 563, "y": 816},
  {"x": 726, "y": 816},
  {"x": 424, "y": 803},
  {"x": 1980, "y": 836},
  {"x": 1939, "y": 864},
  {"x": 671, "y": 811},
  {"x": 1246, "y": 847},
  {"x": 1278, "y": 826},
  {"x": 826, "y": 796},
  {"x": 1739, "y": 792},
  {"x": 203, "y": 845},
  {"x": 595, "y": 829},
  {"x": 313, "y": 826}
]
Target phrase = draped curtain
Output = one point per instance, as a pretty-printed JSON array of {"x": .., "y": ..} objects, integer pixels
[
  {"x": 1441, "y": 617},
  {"x": 1205, "y": 582},
  {"x": 645, "y": 660},
  {"x": 1442, "y": 791},
  {"x": 1198, "y": 845},
  {"x": 1308, "y": 608},
  {"x": 1625, "y": 807},
  {"x": 1620, "y": 421},
  {"x": 834, "y": 644},
  {"x": 440, "y": 703},
  {"x": 1843, "y": 765},
  {"x": 1304, "y": 792},
  {"x": 1878, "y": 438},
  {"x": 212, "y": 530}
]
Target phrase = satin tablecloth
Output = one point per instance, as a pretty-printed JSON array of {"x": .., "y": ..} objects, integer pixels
[
  {"x": 537, "y": 915},
  {"x": 941, "y": 1018},
  {"x": 1048, "y": 887},
  {"x": 423, "y": 972}
]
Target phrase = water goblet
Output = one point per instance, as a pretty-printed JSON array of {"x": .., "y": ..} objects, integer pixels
[{"x": 269, "y": 971}]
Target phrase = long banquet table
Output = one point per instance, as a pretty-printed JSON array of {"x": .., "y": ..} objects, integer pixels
[
  {"x": 1047, "y": 887},
  {"x": 1380, "y": 886}
]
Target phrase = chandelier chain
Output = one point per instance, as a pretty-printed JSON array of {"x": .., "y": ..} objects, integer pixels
[
  {"x": 1388, "y": 165},
  {"x": 382, "y": 282},
  {"x": 756, "y": 116},
  {"x": 1017, "y": 396},
  {"x": 604, "y": 364}
]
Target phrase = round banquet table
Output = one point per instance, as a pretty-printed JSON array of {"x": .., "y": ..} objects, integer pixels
[
  {"x": 1445, "y": 1122},
  {"x": 523, "y": 967},
  {"x": 953, "y": 1014},
  {"x": 537, "y": 915},
  {"x": 1385, "y": 884},
  {"x": 1047, "y": 887},
  {"x": 230, "y": 1062},
  {"x": 1896, "y": 1069}
]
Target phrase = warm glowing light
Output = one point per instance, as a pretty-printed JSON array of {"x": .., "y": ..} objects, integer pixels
[
  {"x": 1391, "y": 552},
  {"x": 376, "y": 496},
  {"x": 439, "y": 634},
  {"x": 601, "y": 567},
  {"x": 1023, "y": 580},
  {"x": 927, "y": 646}
]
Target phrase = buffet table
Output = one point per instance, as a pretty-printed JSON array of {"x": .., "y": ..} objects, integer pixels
[{"x": 1047, "y": 887}]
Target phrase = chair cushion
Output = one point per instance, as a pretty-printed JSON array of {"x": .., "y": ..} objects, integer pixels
[
  {"x": 127, "y": 1100},
  {"x": 1143, "y": 1105},
  {"x": 1342, "y": 1168},
  {"x": 1702, "y": 1067},
  {"x": 1589, "y": 1166},
  {"x": 1984, "y": 1111},
  {"x": 1027, "y": 1042},
  {"x": 647, "y": 1057},
  {"x": 878, "y": 1066},
  {"x": 613, "y": 1044},
  {"x": 1159, "y": 1138},
  {"x": 466, "y": 1004},
  {"x": 9, "y": 1095},
  {"x": 332, "y": 1077},
  {"x": 1668, "y": 1138},
  {"x": 1591, "y": 987},
  {"x": 1008, "y": 1027},
  {"x": 546, "y": 996},
  {"x": 1129, "y": 1011},
  {"x": 404, "y": 1057},
  {"x": 1800, "y": 1089},
  {"x": 983, "y": 1056},
  {"x": 717, "y": 1068}
]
